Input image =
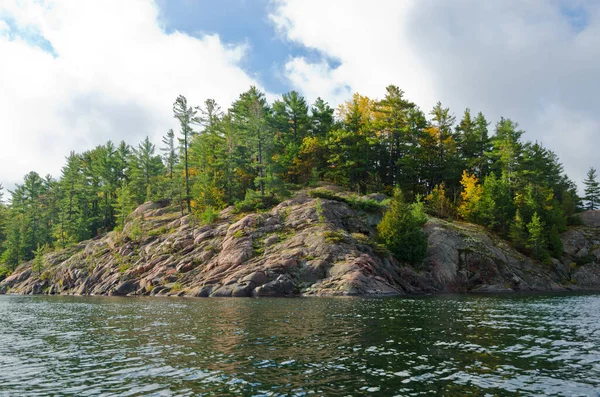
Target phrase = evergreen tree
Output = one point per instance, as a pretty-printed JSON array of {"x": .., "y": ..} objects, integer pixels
[
  {"x": 146, "y": 168},
  {"x": 121, "y": 164},
  {"x": 441, "y": 128},
  {"x": 391, "y": 121},
  {"x": 479, "y": 163},
  {"x": 124, "y": 204},
  {"x": 517, "y": 232},
  {"x": 401, "y": 230},
  {"x": 3, "y": 215},
  {"x": 39, "y": 262},
  {"x": 473, "y": 143},
  {"x": 321, "y": 115},
  {"x": 414, "y": 177},
  {"x": 13, "y": 244},
  {"x": 208, "y": 147},
  {"x": 592, "y": 190},
  {"x": 507, "y": 151},
  {"x": 350, "y": 148},
  {"x": 72, "y": 226},
  {"x": 291, "y": 122},
  {"x": 169, "y": 152},
  {"x": 536, "y": 236},
  {"x": 186, "y": 116},
  {"x": 249, "y": 117},
  {"x": 103, "y": 170}
]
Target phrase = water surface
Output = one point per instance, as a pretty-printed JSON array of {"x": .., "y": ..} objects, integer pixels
[{"x": 445, "y": 345}]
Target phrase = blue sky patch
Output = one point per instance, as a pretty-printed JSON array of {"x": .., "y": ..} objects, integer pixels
[
  {"x": 575, "y": 13},
  {"x": 240, "y": 21},
  {"x": 29, "y": 35}
]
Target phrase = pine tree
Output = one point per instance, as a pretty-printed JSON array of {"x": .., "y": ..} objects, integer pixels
[
  {"x": 291, "y": 123},
  {"x": 3, "y": 215},
  {"x": 207, "y": 147},
  {"x": 186, "y": 116},
  {"x": 72, "y": 226},
  {"x": 13, "y": 245},
  {"x": 517, "y": 232},
  {"x": 507, "y": 151},
  {"x": 146, "y": 168},
  {"x": 39, "y": 262},
  {"x": 124, "y": 204},
  {"x": 249, "y": 119},
  {"x": 169, "y": 152},
  {"x": 480, "y": 162},
  {"x": 536, "y": 236},
  {"x": 473, "y": 143},
  {"x": 592, "y": 190},
  {"x": 442, "y": 122},
  {"x": 391, "y": 123},
  {"x": 321, "y": 115},
  {"x": 401, "y": 230}
]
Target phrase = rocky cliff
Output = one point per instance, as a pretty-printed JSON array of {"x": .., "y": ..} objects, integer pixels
[{"x": 301, "y": 247}]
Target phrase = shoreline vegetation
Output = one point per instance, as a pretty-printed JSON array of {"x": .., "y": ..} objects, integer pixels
[{"x": 290, "y": 199}]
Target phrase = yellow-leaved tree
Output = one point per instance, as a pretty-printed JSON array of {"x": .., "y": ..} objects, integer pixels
[
  {"x": 439, "y": 204},
  {"x": 470, "y": 195}
]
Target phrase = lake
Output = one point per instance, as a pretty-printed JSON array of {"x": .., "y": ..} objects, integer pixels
[{"x": 445, "y": 345}]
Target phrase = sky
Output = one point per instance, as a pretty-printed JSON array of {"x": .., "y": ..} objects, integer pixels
[{"x": 76, "y": 73}]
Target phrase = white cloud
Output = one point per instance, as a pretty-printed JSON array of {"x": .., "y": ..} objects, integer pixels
[
  {"x": 114, "y": 74},
  {"x": 317, "y": 79},
  {"x": 534, "y": 61}
]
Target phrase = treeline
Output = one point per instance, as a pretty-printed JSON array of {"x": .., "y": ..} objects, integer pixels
[{"x": 255, "y": 152}]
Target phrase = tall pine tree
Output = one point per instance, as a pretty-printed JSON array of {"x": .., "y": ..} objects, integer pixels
[{"x": 592, "y": 190}]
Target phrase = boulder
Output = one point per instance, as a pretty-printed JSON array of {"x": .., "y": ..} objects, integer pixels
[
  {"x": 243, "y": 290},
  {"x": 587, "y": 276},
  {"x": 223, "y": 291},
  {"x": 282, "y": 286},
  {"x": 125, "y": 288},
  {"x": 271, "y": 240},
  {"x": 258, "y": 278},
  {"x": 205, "y": 291}
]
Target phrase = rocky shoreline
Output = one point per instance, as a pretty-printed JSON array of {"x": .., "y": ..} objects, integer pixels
[{"x": 302, "y": 247}]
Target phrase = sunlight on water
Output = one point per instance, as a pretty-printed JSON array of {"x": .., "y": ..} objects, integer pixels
[{"x": 450, "y": 345}]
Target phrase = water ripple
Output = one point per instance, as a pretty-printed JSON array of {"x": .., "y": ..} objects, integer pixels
[{"x": 449, "y": 345}]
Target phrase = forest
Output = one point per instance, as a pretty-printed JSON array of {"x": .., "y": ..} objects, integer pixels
[{"x": 254, "y": 154}]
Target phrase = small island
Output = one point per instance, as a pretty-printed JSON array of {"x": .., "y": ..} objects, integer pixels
[{"x": 284, "y": 199}]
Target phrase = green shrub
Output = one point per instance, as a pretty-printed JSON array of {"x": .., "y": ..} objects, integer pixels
[
  {"x": 364, "y": 204},
  {"x": 401, "y": 230},
  {"x": 574, "y": 220},
  {"x": 324, "y": 194},
  {"x": 135, "y": 231},
  {"x": 39, "y": 262},
  {"x": 334, "y": 236},
  {"x": 584, "y": 260},
  {"x": 354, "y": 201},
  {"x": 123, "y": 267},
  {"x": 255, "y": 201},
  {"x": 159, "y": 231},
  {"x": 4, "y": 272},
  {"x": 209, "y": 215},
  {"x": 319, "y": 210}
]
